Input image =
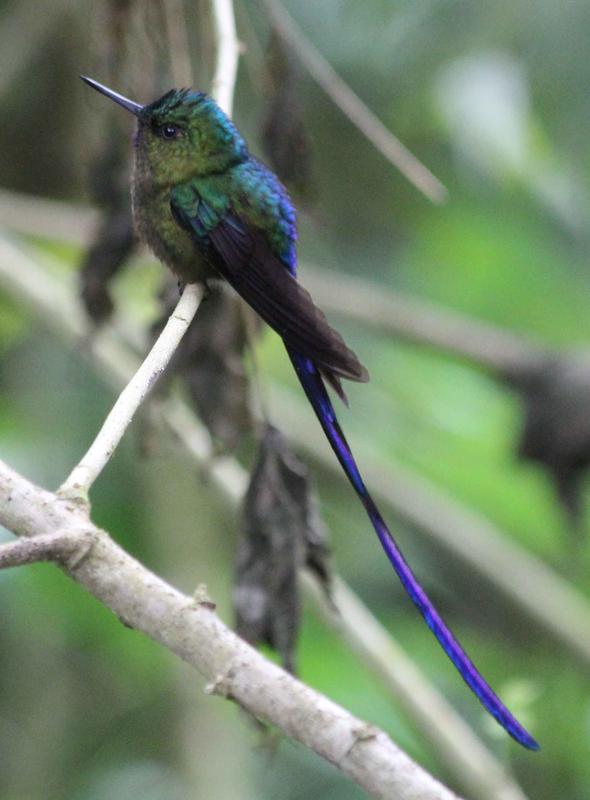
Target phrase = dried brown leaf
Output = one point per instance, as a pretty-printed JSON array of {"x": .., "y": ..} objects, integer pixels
[{"x": 281, "y": 532}]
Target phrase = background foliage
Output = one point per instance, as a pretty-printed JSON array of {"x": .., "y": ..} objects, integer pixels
[{"x": 493, "y": 98}]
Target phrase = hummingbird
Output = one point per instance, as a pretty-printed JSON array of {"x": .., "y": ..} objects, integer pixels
[{"x": 209, "y": 210}]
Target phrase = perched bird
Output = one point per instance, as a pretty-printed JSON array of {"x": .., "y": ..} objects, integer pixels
[{"x": 208, "y": 209}]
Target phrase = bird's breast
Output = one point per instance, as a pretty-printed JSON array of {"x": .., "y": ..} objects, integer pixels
[{"x": 170, "y": 243}]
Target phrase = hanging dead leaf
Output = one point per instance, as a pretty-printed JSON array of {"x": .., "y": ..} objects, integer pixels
[{"x": 281, "y": 532}]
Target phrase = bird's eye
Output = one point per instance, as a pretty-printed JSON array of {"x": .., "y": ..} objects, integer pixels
[{"x": 170, "y": 131}]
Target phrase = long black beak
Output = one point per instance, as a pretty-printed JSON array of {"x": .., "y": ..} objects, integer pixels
[{"x": 135, "y": 108}]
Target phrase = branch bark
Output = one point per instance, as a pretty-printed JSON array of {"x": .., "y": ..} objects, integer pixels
[{"x": 190, "y": 628}]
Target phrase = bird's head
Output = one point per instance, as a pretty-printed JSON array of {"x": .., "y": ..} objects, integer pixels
[{"x": 183, "y": 134}]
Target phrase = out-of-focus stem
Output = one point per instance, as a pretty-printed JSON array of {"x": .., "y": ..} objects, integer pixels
[{"x": 354, "y": 108}]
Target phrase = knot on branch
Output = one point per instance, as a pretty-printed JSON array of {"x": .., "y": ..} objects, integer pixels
[
  {"x": 222, "y": 685},
  {"x": 364, "y": 733},
  {"x": 281, "y": 532},
  {"x": 202, "y": 599}
]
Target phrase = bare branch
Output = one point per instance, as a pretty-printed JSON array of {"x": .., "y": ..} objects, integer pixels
[
  {"x": 354, "y": 108},
  {"x": 51, "y": 299},
  {"x": 62, "y": 547},
  {"x": 191, "y": 629},
  {"x": 92, "y": 463},
  {"x": 228, "y": 49}
]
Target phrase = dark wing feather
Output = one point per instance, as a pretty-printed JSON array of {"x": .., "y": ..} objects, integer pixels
[
  {"x": 246, "y": 261},
  {"x": 243, "y": 256}
]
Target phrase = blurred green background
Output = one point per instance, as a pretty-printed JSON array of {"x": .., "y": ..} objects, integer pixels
[{"x": 493, "y": 97}]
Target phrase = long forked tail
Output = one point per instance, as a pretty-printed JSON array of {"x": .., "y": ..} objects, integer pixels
[{"x": 315, "y": 390}]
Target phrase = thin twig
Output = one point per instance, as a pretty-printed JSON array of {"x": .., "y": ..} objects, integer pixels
[
  {"x": 354, "y": 108},
  {"x": 53, "y": 300},
  {"x": 191, "y": 630},
  {"x": 228, "y": 49},
  {"x": 78, "y": 483},
  {"x": 60, "y": 546}
]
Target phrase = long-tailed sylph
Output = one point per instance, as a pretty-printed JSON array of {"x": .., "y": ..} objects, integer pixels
[{"x": 208, "y": 209}]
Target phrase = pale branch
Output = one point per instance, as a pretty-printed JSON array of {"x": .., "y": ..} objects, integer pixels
[
  {"x": 189, "y": 628},
  {"x": 53, "y": 300},
  {"x": 52, "y": 219},
  {"x": 538, "y": 592},
  {"x": 398, "y": 315},
  {"x": 62, "y": 546},
  {"x": 119, "y": 418},
  {"x": 228, "y": 49},
  {"x": 353, "y": 107}
]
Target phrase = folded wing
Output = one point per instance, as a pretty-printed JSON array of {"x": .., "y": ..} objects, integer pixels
[{"x": 243, "y": 256}]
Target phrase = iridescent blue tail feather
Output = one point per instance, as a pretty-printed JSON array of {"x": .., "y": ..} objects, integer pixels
[{"x": 313, "y": 385}]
